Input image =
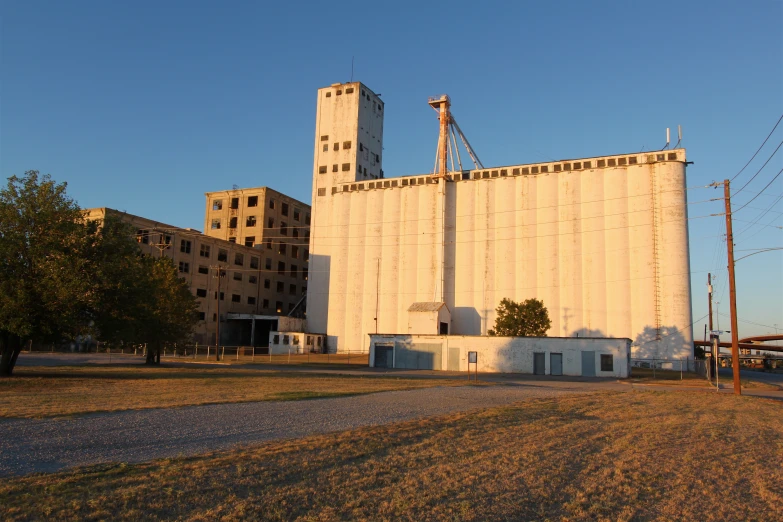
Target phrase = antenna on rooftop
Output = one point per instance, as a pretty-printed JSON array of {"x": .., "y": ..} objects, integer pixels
[
  {"x": 235, "y": 186},
  {"x": 668, "y": 140},
  {"x": 679, "y": 135}
]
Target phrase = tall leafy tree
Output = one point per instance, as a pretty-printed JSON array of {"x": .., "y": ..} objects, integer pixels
[
  {"x": 44, "y": 286},
  {"x": 169, "y": 312},
  {"x": 530, "y": 318},
  {"x": 62, "y": 276}
]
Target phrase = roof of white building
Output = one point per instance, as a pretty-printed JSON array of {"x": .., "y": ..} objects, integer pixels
[{"x": 426, "y": 307}]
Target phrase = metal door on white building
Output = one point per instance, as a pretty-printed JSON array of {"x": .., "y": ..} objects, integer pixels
[
  {"x": 588, "y": 364},
  {"x": 539, "y": 363},
  {"x": 384, "y": 356},
  {"x": 556, "y": 363}
]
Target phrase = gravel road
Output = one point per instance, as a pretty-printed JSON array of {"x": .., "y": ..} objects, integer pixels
[{"x": 28, "y": 446}]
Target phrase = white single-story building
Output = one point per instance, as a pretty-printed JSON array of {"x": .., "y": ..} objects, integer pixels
[{"x": 576, "y": 356}]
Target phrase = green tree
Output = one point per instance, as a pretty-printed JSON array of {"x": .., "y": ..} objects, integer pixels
[
  {"x": 44, "y": 285},
  {"x": 169, "y": 313},
  {"x": 529, "y": 318},
  {"x": 139, "y": 299},
  {"x": 62, "y": 276}
]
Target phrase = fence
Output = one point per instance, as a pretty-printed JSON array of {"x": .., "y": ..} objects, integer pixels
[
  {"x": 228, "y": 354},
  {"x": 669, "y": 365}
]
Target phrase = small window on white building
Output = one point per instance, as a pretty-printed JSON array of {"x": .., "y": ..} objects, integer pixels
[{"x": 607, "y": 362}]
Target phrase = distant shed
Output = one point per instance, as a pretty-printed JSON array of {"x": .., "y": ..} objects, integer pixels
[{"x": 429, "y": 318}]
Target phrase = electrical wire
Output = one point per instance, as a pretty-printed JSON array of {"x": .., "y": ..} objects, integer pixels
[
  {"x": 762, "y": 168},
  {"x": 759, "y": 149},
  {"x": 759, "y": 193}
]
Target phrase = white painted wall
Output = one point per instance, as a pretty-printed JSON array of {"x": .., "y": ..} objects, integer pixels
[
  {"x": 298, "y": 342},
  {"x": 515, "y": 354},
  {"x": 604, "y": 244}
]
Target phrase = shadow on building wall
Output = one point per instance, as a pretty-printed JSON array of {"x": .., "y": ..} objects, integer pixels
[
  {"x": 650, "y": 345},
  {"x": 465, "y": 320}
]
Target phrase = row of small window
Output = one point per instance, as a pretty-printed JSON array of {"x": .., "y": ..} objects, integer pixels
[
  {"x": 346, "y": 145},
  {"x": 236, "y": 298},
  {"x": 251, "y": 221},
  {"x": 325, "y": 148},
  {"x": 205, "y": 251},
  {"x": 349, "y": 90},
  {"x": 184, "y": 267},
  {"x": 252, "y": 201},
  {"x": 265, "y": 305},
  {"x": 294, "y": 339}
]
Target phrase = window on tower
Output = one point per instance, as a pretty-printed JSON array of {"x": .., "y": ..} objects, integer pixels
[
  {"x": 336, "y": 146},
  {"x": 322, "y": 169},
  {"x": 346, "y": 167},
  {"x": 346, "y": 145}
]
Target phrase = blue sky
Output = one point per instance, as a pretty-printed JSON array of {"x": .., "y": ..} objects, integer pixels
[{"x": 143, "y": 106}]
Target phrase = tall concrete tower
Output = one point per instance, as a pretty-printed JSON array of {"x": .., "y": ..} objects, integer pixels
[{"x": 348, "y": 148}]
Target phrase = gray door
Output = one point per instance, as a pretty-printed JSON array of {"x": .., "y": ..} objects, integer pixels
[
  {"x": 539, "y": 363},
  {"x": 556, "y": 363},
  {"x": 419, "y": 357},
  {"x": 588, "y": 364},
  {"x": 383, "y": 357},
  {"x": 453, "y": 359}
]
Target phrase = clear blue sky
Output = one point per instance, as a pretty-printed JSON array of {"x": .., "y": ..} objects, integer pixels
[{"x": 143, "y": 106}]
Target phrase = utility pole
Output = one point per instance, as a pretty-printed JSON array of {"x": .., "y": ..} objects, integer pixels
[
  {"x": 732, "y": 292},
  {"x": 709, "y": 291},
  {"x": 217, "y": 323}
]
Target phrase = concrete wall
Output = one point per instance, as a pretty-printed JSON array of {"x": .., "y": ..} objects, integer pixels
[
  {"x": 514, "y": 354},
  {"x": 602, "y": 241}
]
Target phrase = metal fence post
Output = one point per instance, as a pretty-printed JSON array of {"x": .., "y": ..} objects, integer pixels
[
  {"x": 223, "y": 353},
  {"x": 237, "y": 353},
  {"x": 195, "y": 351}
]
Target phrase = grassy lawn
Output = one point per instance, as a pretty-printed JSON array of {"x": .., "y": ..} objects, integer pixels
[
  {"x": 57, "y": 391},
  {"x": 620, "y": 456}
]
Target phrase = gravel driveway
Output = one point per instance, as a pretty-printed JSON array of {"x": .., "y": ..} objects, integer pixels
[{"x": 28, "y": 446}]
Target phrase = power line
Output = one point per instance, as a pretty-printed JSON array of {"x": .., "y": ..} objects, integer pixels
[
  {"x": 759, "y": 149},
  {"x": 762, "y": 190},
  {"x": 762, "y": 168}
]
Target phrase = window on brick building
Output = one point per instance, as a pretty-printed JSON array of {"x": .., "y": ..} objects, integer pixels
[
  {"x": 217, "y": 204},
  {"x": 184, "y": 246},
  {"x": 204, "y": 251},
  {"x": 250, "y": 241},
  {"x": 252, "y": 201},
  {"x": 250, "y": 221},
  {"x": 184, "y": 267}
]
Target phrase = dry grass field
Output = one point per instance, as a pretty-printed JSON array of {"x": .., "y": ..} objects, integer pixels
[
  {"x": 611, "y": 456},
  {"x": 36, "y": 392},
  {"x": 669, "y": 378}
]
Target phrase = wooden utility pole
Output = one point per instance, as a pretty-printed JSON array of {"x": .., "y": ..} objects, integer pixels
[
  {"x": 709, "y": 292},
  {"x": 735, "y": 365},
  {"x": 217, "y": 323}
]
